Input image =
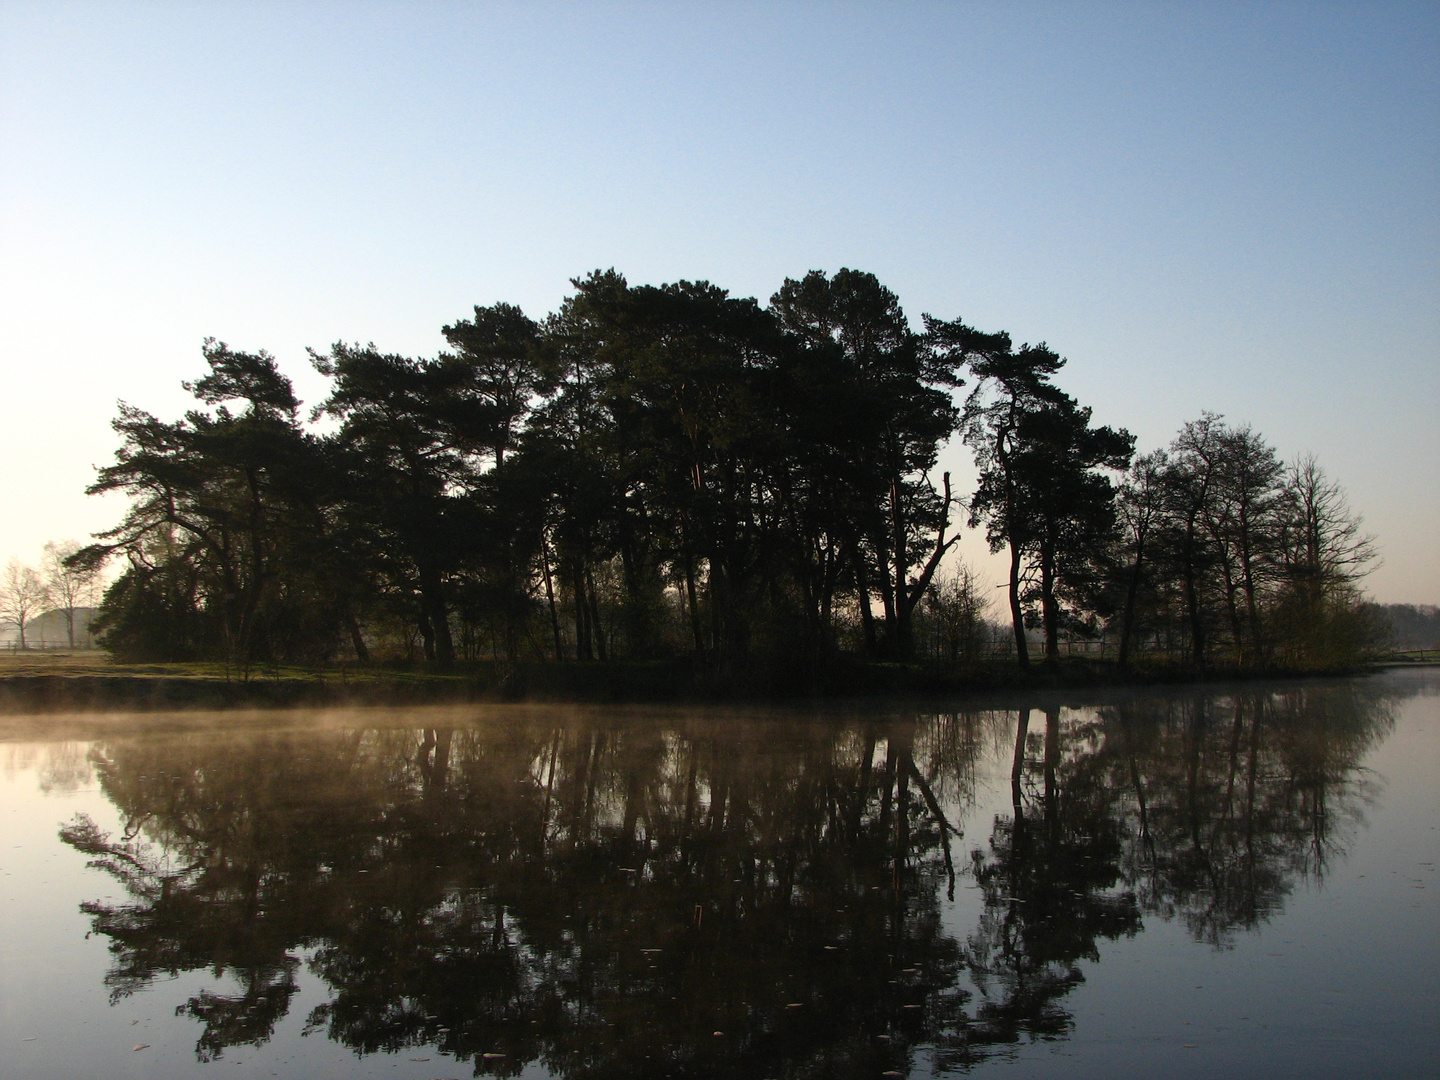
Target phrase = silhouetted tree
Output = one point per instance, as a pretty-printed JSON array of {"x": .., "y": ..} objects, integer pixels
[
  {"x": 1042, "y": 493},
  {"x": 224, "y": 493},
  {"x": 895, "y": 400},
  {"x": 411, "y": 431},
  {"x": 1140, "y": 508}
]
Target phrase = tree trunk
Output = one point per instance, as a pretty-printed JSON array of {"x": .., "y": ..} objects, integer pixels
[
  {"x": 357, "y": 640},
  {"x": 1132, "y": 589},
  {"x": 597, "y": 630},
  {"x": 887, "y": 594},
  {"x": 867, "y": 617},
  {"x": 1012, "y": 529},
  {"x": 911, "y": 595},
  {"x": 900, "y": 634},
  {"x": 1049, "y": 607},
  {"x": 695, "y": 628},
  {"x": 1017, "y": 615},
  {"x": 583, "y": 651},
  {"x": 1192, "y": 600},
  {"x": 828, "y": 580},
  {"x": 432, "y": 602},
  {"x": 635, "y": 609},
  {"x": 1233, "y": 612},
  {"x": 1247, "y": 579},
  {"x": 550, "y": 598}
]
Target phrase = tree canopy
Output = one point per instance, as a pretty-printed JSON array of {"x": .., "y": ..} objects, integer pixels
[{"x": 672, "y": 472}]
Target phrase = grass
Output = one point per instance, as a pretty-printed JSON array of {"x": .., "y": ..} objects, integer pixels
[
  {"x": 1413, "y": 656},
  {"x": 89, "y": 679},
  {"x": 96, "y": 663}
]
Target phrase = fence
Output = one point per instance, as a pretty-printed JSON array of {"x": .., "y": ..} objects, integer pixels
[
  {"x": 45, "y": 646},
  {"x": 1414, "y": 656}
]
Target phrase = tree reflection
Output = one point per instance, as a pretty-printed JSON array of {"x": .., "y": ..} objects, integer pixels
[
  {"x": 1237, "y": 799},
  {"x": 707, "y": 897},
  {"x": 1048, "y": 881}
]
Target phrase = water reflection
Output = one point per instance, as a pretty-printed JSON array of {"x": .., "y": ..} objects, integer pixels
[{"x": 703, "y": 896}]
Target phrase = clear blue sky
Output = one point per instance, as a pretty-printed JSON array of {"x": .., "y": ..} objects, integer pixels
[{"x": 1204, "y": 206}]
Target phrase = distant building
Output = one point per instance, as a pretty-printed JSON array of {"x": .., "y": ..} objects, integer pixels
[{"x": 50, "y": 629}]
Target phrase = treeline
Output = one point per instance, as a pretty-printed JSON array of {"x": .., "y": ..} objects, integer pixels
[
  {"x": 673, "y": 472},
  {"x": 1413, "y": 626}
]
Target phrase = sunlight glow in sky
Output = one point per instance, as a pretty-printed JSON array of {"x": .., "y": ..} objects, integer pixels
[{"x": 1233, "y": 208}]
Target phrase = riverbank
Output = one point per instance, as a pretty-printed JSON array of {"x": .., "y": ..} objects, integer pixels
[{"x": 89, "y": 680}]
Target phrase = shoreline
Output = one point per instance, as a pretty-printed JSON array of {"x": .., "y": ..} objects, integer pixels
[{"x": 146, "y": 688}]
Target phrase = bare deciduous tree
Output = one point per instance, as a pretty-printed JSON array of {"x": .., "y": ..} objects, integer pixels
[
  {"x": 23, "y": 595},
  {"x": 953, "y": 617},
  {"x": 1321, "y": 542},
  {"x": 71, "y": 585},
  {"x": 1140, "y": 507}
]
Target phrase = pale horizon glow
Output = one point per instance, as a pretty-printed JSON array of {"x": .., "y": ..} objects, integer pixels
[{"x": 1232, "y": 208}]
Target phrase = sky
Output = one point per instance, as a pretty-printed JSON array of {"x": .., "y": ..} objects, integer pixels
[{"x": 1233, "y": 208}]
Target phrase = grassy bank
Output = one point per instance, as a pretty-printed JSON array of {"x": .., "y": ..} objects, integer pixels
[{"x": 80, "y": 681}]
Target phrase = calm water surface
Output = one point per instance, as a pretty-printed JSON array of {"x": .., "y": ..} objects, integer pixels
[{"x": 1208, "y": 882}]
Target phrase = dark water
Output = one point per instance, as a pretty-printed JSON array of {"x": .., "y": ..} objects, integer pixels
[{"x": 1199, "y": 883}]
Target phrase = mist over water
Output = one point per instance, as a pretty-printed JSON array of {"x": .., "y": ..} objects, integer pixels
[{"x": 1200, "y": 881}]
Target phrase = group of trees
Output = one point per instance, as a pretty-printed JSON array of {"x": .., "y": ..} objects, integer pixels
[
  {"x": 1414, "y": 626},
  {"x": 1223, "y": 548},
  {"x": 655, "y": 472},
  {"x": 61, "y": 584}
]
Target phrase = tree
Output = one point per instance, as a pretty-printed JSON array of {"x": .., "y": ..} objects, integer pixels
[
  {"x": 1245, "y": 529},
  {"x": 1189, "y": 483},
  {"x": 953, "y": 615},
  {"x": 498, "y": 350},
  {"x": 1140, "y": 507},
  {"x": 23, "y": 595},
  {"x": 232, "y": 495},
  {"x": 1321, "y": 544},
  {"x": 672, "y": 448},
  {"x": 1060, "y": 463},
  {"x": 1226, "y": 486},
  {"x": 1409, "y": 626},
  {"x": 1009, "y": 385},
  {"x": 666, "y": 469},
  {"x": 681, "y": 364},
  {"x": 155, "y": 610},
  {"x": 1043, "y": 493},
  {"x": 412, "y": 433},
  {"x": 1322, "y": 555},
  {"x": 569, "y": 447},
  {"x": 1245, "y": 552},
  {"x": 71, "y": 584},
  {"x": 895, "y": 403}
]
